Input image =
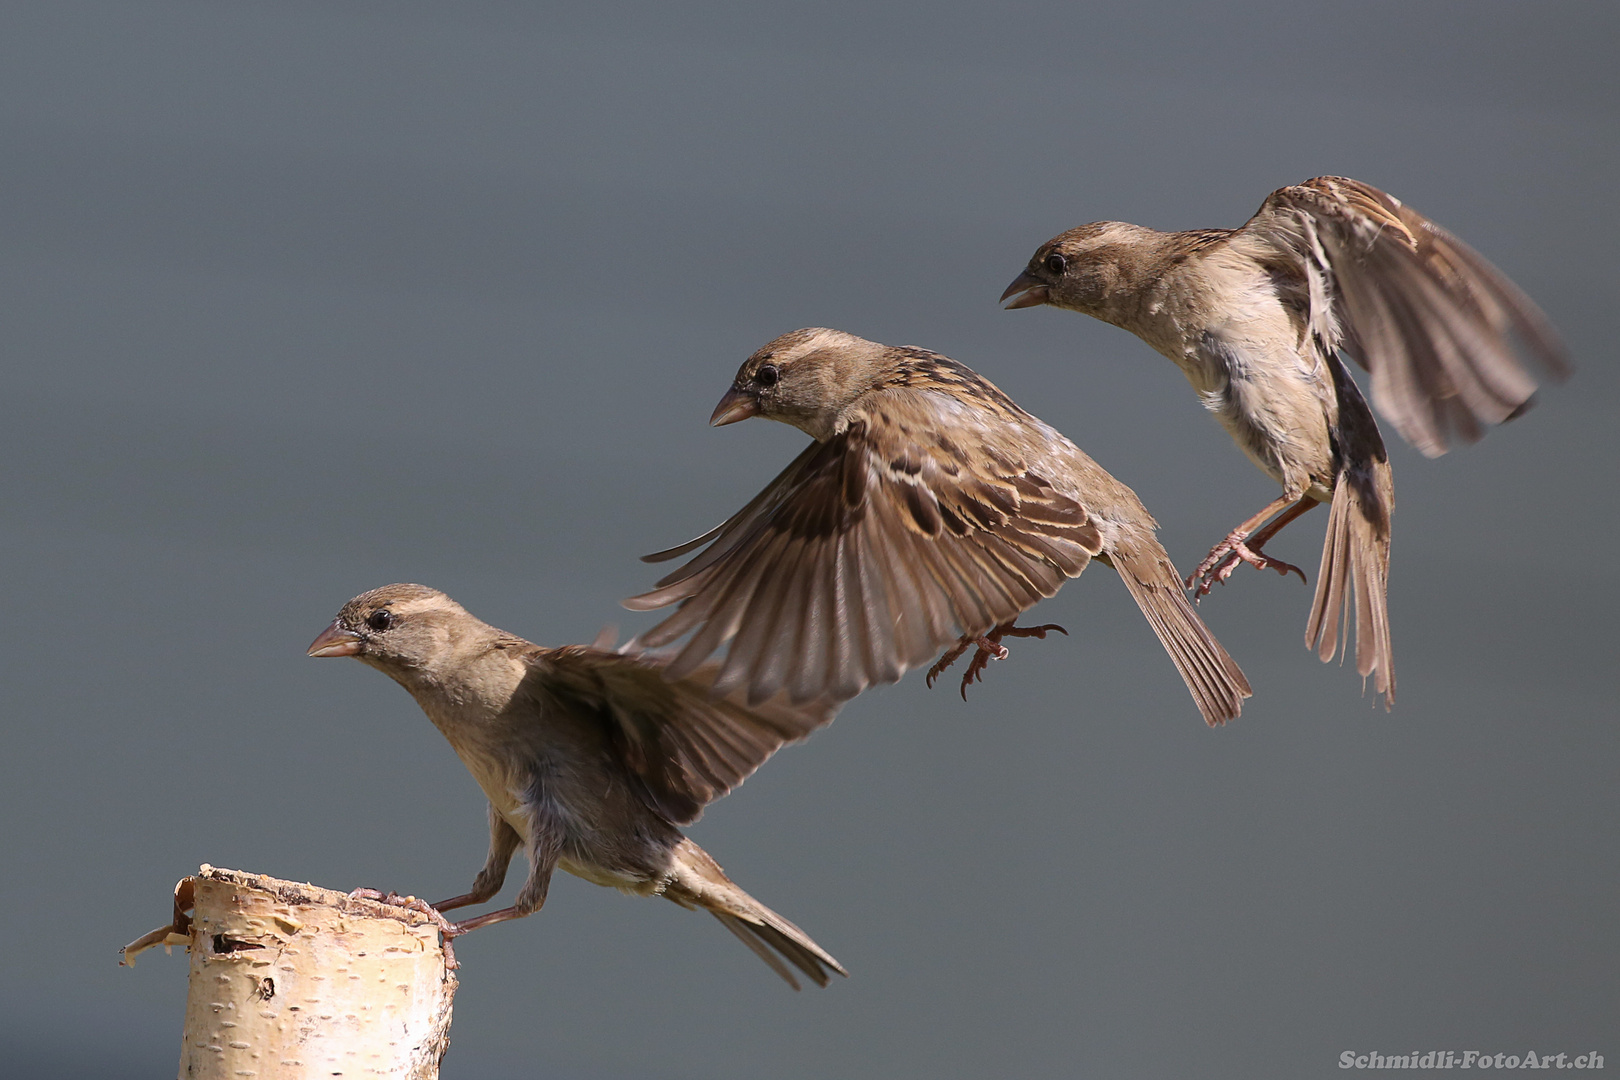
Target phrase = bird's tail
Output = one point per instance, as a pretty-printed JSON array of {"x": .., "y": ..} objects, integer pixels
[
  {"x": 700, "y": 883},
  {"x": 1355, "y": 562},
  {"x": 1217, "y": 684}
]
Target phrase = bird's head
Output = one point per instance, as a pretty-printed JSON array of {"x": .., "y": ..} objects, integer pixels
[
  {"x": 1082, "y": 269},
  {"x": 406, "y": 631},
  {"x": 809, "y": 378}
]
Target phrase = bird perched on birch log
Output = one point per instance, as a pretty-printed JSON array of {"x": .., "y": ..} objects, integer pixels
[
  {"x": 930, "y": 510},
  {"x": 1256, "y": 318},
  {"x": 590, "y": 759}
]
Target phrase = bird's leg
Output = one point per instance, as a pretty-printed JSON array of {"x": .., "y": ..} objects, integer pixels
[
  {"x": 1244, "y": 543},
  {"x": 545, "y": 848},
  {"x": 989, "y": 647},
  {"x": 1259, "y": 539},
  {"x": 489, "y": 918},
  {"x": 503, "y": 842},
  {"x": 951, "y": 656}
]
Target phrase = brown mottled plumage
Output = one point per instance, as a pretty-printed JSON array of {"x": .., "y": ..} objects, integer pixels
[
  {"x": 589, "y": 758},
  {"x": 1255, "y": 318},
  {"x": 930, "y": 507}
]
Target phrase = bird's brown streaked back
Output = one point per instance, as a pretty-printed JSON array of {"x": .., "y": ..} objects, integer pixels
[{"x": 931, "y": 506}]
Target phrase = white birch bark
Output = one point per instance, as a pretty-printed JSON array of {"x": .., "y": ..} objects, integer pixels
[{"x": 290, "y": 981}]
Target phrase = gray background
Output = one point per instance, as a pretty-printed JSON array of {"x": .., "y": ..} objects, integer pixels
[{"x": 305, "y": 298}]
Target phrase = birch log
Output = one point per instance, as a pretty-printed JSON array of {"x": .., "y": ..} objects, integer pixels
[{"x": 292, "y": 981}]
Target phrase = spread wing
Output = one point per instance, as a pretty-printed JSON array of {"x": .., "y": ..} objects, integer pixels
[
  {"x": 867, "y": 555},
  {"x": 1431, "y": 320},
  {"x": 685, "y": 745}
]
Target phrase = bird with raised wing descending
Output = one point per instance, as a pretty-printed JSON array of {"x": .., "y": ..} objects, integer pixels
[
  {"x": 1256, "y": 318},
  {"x": 930, "y": 510},
  {"x": 590, "y": 759}
]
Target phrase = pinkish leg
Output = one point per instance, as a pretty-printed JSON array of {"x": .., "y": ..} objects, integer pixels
[
  {"x": 1243, "y": 545},
  {"x": 988, "y": 648}
]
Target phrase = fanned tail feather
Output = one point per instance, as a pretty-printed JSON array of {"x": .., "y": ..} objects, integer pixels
[
  {"x": 700, "y": 883},
  {"x": 1217, "y": 684},
  {"x": 1355, "y": 563}
]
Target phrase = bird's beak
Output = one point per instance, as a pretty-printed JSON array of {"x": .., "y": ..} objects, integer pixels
[
  {"x": 335, "y": 641},
  {"x": 736, "y": 405},
  {"x": 1034, "y": 293}
]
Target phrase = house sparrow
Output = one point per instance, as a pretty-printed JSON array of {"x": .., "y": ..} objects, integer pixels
[
  {"x": 590, "y": 759},
  {"x": 930, "y": 507},
  {"x": 1255, "y": 318}
]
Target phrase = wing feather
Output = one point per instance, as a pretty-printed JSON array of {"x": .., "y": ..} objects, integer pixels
[
  {"x": 1431, "y": 319},
  {"x": 862, "y": 559},
  {"x": 685, "y": 744}
]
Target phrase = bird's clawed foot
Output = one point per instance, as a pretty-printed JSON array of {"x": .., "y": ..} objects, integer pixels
[
  {"x": 1225, "y": 557},
  {"x": 989, "y": 648},
  {"x": 416, "y": 903}
]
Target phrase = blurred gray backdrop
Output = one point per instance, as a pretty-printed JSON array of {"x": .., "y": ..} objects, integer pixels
[{"x": 304, "y": 298}]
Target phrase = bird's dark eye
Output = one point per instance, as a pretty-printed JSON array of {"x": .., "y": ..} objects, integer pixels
[
  {"x": 1056, "y": 263},
  {"x": 767, "y": 375},
  {"x": 380, "y": 620}
]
